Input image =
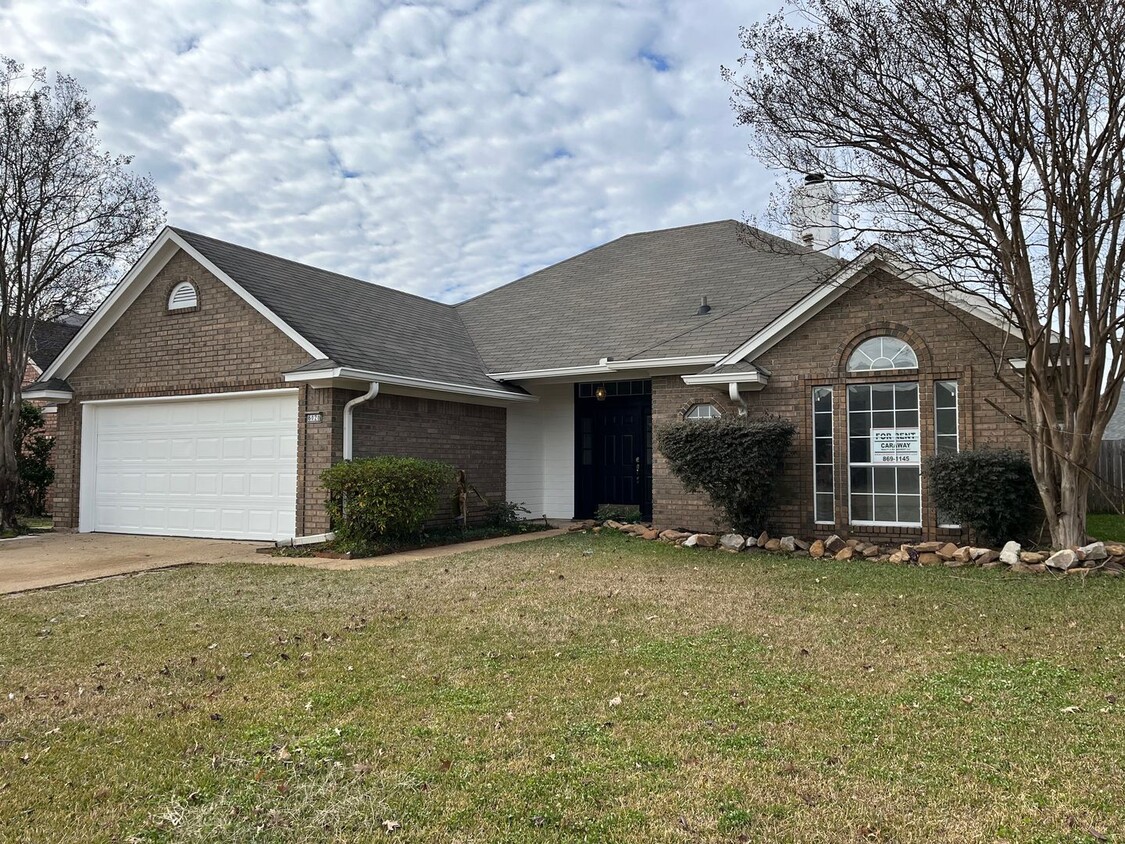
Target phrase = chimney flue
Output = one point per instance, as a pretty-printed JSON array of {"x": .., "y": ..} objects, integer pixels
[
  {"x": 704, "y": 308},
  {"x": 816, "y": 216}
]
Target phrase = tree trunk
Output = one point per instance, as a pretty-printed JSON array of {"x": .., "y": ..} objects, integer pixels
[
  {"x": 1068, "y": 522},
  {"x": 9, "y": 467}
]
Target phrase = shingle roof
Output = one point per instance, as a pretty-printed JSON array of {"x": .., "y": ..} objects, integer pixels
[
  {"x": 50, "y": 338},
  {"x": 637, "y": 297},
  {"x": 356, "y": 323}
]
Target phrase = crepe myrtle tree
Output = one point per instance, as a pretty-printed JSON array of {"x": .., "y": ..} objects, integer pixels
[
  {"x": 984, "y": 142},
  {"x": 70, "y": 214}
]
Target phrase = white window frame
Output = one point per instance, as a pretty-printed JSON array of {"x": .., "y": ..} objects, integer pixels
[
  {"x": 956, "y": 428},
  {"x": 882, "y": 338},
  {"x": 715, "y": 413},
  {"x": 832, "y": 449},
  {"x": 921, "y": 502}
]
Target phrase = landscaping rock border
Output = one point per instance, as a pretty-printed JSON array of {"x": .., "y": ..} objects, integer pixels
[{"x": 1106, "y": 558}]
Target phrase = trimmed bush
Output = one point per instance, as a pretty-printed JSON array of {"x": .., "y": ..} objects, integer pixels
[
  {"x": 735, "y": 461},
  {"x": 381, "y": 498},
  {"x": 626, "y": 513},
  {"x": 990, "y": 490},
  {"x": 33, "y": 457}
]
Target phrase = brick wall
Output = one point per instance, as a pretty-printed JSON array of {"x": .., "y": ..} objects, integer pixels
[
  {"x": 466, "y": 436},
  {"x": 949, "y": 347},
  {"x": 222, "y": 345}
]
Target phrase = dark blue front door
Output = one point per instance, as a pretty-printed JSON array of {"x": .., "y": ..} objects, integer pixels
[{"x": 613, "y": 446}]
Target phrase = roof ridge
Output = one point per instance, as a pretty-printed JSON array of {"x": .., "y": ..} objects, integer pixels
[
  {"x": 586, "y": 252},
  {"x": 283, "y": 259}
]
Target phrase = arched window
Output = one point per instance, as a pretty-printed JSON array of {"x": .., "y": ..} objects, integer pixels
[
  {"x": 183, "y": 296},
  {"x": 882, "y": 353},
  {"x": 702, "y": 411}
]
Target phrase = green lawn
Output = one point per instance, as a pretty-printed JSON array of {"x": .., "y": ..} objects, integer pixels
[
  {"x": 1106, "y": 527},
  {"x": 583, "y": 688}
]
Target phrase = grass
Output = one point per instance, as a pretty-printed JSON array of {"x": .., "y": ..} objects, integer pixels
[
  {"x": 1108, "y": 527},
  {"x": 580, "y": 688},
  {"x": 433, "y": 539}
]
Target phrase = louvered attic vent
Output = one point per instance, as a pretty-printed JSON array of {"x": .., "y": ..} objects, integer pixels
[{"x": 183, "y": 296}]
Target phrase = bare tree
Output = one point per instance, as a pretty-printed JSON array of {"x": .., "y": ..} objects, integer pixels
[
  {"x": 70, "y": 214},
  {"x": 984, "y": 139}
]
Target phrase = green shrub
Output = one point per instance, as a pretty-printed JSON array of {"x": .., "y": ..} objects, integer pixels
[
  {"x": 626, "y": 513},
  {"x": 735, "y": 461},
  {"x": 33, "y": 458},
  {"x": 506, "y": 515},
  {"x": 990, "y": 490},
  {"x": 383, "y": 497}
]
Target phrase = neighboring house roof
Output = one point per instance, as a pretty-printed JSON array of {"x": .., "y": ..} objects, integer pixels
[
  {"x": 1115, "y": 429},
  {"x": 357, "y": 324},
  {"x": 638, "y": 297},
  {"x": 50, "y": 338}
]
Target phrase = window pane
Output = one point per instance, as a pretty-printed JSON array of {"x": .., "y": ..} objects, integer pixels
[
  {"x": 859, "y": 397},
  {"x": 910, "y": 508},
  {"x": 883, "y": 419},
  {"x": 862, "y": 509},
  {"x": 824, "y": 507},
  {"x": 906, "y": 418},
  {"x": 945, "y": 393},
  {"x": 861, "y": 480},
  {"x": 884, "y": 479},
  {"x": 882, "y": 353},
  {"x": 908, "y": 480},
  {"x": 822, "y": 399},
  {"x": 860, "y": 451},
  {"x": 886, "y": 508},
  {"x": 946, "y": 444},
  {"x": 860, "y": 424},
  {"x": 822, "y": 451},
  {"x": 882, "y": 396},
  {"x": 947, "y": 422},
  {"x": 906, "y": 396},
  {"x": 822, "y": 424},
  {"x": 823, "y": 475}
]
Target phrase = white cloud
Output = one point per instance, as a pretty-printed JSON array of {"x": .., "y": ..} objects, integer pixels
[{"x": 438, "y": 147}]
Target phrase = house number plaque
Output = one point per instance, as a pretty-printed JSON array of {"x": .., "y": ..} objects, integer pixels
[{"x": 314, "y": 417}]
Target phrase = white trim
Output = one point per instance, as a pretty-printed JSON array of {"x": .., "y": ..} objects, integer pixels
[
  {"x": 88, "y": 462},
  {"x": 606, "y": 366},
  {"x": 885, "y": 524},
  {"x": 154, "y": 259},
  {"x": 177, "y": 303},
  {"x": 51, "y": 408},
  {"x": 47, "y": 395},
  {"x": 343, "y": 372},
  {"x": 836, "y": 285},
  {"x": 755, "y": 379},
  {"x": 279, "y": 391}
]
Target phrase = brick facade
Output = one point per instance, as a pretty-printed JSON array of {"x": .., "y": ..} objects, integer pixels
[
  {"x": 466, "y": 436},
  {"x": 222, "y": 345},
  {"x": 949, "y": 347}
]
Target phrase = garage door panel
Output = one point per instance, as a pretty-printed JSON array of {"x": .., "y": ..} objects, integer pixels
[{"x": 217, "y": 467}]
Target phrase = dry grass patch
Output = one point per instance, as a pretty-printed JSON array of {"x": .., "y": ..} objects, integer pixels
[{"x": 578, "y": 688}]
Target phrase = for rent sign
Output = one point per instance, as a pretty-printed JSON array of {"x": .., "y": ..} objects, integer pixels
[{"x": 896, "y": 445}]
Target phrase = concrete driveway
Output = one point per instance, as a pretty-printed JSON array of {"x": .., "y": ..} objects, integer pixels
[{"x": 53, "y": 559}]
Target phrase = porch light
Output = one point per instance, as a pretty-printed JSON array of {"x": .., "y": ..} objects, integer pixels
[{"x": 599, "y": 392}]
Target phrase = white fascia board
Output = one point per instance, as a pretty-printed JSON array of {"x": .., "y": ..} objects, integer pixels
[
  {"x": 606, "y": 366},
  {"x": 154, "y": 259},
  {"x": 754, "y": 380},
  {"x": 60, "y": 396},
  {"x": 236, "y": 394},
  {"x": 660, "y": 363},
  {"x": 343, "y": 373},
  {"x": 847, "y": 276},
  {"x": 561, "y": 372}
]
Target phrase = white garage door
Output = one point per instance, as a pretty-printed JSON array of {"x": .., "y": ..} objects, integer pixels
[{"x": 222, "y": 467}]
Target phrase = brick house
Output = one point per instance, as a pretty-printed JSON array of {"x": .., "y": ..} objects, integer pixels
[{"x": 215, "y": 383}]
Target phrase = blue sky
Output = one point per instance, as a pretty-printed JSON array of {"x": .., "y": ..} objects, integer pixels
[{"x": 438, "y": 147}]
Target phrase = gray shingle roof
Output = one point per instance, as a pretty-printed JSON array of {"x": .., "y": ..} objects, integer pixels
[
  {"x": 50, "y": 338},
  {"x": 637, "y": 297},
  {"x": 356, "y": 323}
]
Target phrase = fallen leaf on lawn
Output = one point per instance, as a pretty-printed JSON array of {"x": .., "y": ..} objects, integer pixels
[
  {"x": 1070, "y": 710},
  {"x": 616, "y": 701},
  {"x": 390, "y": 826}
]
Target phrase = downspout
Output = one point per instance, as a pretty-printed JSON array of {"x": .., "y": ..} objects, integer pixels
[
  {"x": 372, "y": 391},
  {"x": 735, "y": 395}
]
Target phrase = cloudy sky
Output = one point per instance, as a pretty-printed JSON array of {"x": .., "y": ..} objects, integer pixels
[{"x": 438, "y": 147}]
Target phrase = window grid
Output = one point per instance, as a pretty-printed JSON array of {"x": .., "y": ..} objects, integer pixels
[
  {"x": 824, "y": 492},
  {"x": 946, "y": 430},
  {"x": 882, "y": 494},
  {"x": 702, "y": 411},
  {"x": 882, "y": 353}
]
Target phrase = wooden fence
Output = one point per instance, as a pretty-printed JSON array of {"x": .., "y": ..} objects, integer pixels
[{"x": 1107, "y": 493}]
